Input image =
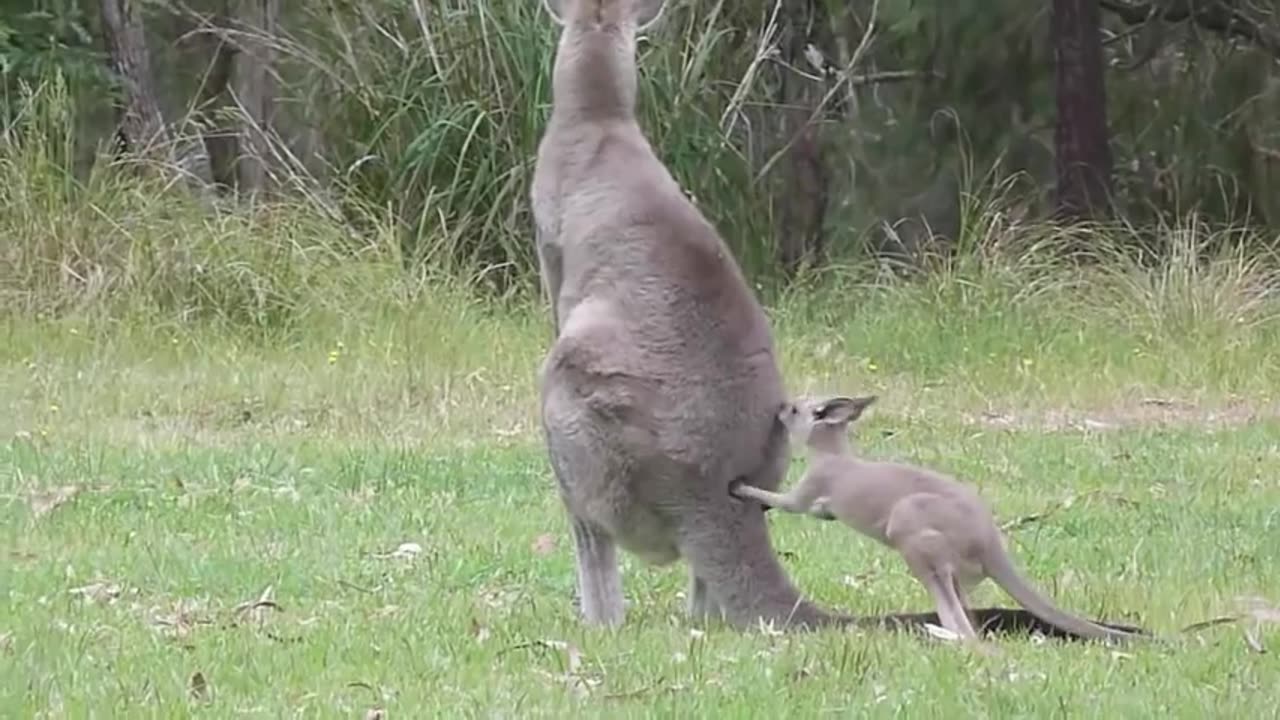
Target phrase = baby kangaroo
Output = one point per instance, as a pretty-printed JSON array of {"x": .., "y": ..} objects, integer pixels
[{"x": 941, "y": 527}]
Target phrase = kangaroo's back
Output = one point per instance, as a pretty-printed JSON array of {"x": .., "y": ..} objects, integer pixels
[{"x": 666, "y": 293}]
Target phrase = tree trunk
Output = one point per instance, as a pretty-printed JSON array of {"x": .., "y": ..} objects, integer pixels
[
  {"x": 253, "y": 85},
  {"x": 142, "y": 129},
  {"x": 1083, "y": 157},
  {"x": 802, "y": 193},
  {"x": 219, "y": 134}
]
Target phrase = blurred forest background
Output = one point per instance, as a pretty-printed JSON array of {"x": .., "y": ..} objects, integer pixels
[{"x": 808, "y": 130}]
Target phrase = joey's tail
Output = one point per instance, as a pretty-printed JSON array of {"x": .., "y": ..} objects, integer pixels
[{"x": 998, "y": 565}]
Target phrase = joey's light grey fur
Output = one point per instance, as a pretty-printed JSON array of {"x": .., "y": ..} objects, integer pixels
[
  {"x": 941, "y": 527},
  {"x": 661, "y": 386}
]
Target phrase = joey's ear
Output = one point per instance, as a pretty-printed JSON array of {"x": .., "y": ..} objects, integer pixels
[
  {"x": 647, "y": 12},
  {"x": 556, "y": 9},
  {"x": 842, "y": 409}
]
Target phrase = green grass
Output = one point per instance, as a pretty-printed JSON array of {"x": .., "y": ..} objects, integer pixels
[
  {"x": 270, "y": 399},
  {"x": 219, "y": 461},
  {"x": 1185, "y": 522}
]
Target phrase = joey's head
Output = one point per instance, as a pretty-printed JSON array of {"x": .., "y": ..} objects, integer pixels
[
  {"x": 823, "y": 423},
  {"x": 595, "y": 67}
]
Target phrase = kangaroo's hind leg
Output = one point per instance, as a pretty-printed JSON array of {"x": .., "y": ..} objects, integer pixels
[
  {"x": 702, "y": 605},
  {"x": 584, "y": 486},
  {"x": 599, "y": 582}
]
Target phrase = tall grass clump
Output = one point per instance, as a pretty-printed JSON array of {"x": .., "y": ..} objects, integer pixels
[
  {"x": 1044, "y": 310},
  {"x": 119, "y": 240},
  {"x": 431, "y": 113},
  {"x": 434, "y": 110}
]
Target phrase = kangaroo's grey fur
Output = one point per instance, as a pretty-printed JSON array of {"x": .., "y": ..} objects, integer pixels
[
  {"x": 661, "y": 386},
  {"x": 941, "y": 527}
]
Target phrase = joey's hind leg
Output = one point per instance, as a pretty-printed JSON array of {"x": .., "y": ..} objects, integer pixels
[
  {"x": 599, "y": 583},
  {"x": 926, "y": 556},
  {"x": 956, "y": 607},
  {"x": 950, "y": 612},
  {"x": 961, "y": 589},
  {"x": 964, "y": 616},
  {"x": 953, "y": 611}
]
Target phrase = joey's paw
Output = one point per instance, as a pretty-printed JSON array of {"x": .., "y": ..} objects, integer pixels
[
  {"x": 734, "y": 485},
  {"x": 821, "y": 510}
]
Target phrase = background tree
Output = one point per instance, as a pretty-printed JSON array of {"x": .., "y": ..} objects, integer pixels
[
  {"x": 221, "y": 87},
  {"x": 427, "y": 111},
  {"x": 254, "y": 29},
  {"x": 1082, "y": 152},
  {"x": 141, "y": 124},
  {"x": 804, "y": 176}
]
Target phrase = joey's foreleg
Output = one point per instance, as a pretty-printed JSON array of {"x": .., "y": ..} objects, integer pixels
[{"x": 799, "y": 500}]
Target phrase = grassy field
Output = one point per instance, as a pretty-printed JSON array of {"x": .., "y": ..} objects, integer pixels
[
  {"x": 252, "y": 465},
  {"x": 354, "y": 512}
]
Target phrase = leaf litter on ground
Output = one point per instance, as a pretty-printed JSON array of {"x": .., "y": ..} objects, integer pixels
[
  {"x": 403, "y": 551},
  {"x": 255, "y": 610},
  {"x": 198, "y": 687},
  {"x": 1255, "y": 612},
  {"x": 44, "y": 502},
  {"x": 572, "y": 675},
  {"x": 101, "y": 591},
  {"x": 544, "y": 544}
]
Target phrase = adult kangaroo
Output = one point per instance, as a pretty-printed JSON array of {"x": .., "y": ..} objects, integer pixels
[{"x": 661, "y": 388}]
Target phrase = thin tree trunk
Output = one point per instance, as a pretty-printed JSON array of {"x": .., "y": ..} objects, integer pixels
[
  {"x": 143, "y": 131},
  {"x": 219, "y": 135},
  {"x": 142, "y": 128},
  {"x": 804, "y": 188},
  {"x": 254, "y": 87},
  {"x": 1083, "y": 156}
]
